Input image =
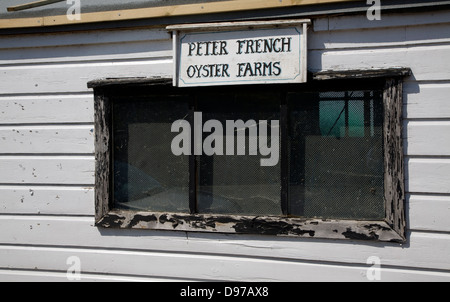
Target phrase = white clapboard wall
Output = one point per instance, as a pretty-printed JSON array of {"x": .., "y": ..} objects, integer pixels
[{"x": 47, "y": 162}]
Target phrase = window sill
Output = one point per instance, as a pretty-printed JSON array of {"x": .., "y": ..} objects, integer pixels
[{"x": 262, "y": 225}]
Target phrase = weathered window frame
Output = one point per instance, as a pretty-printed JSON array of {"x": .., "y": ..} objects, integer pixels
[{"x": 391, "y": 229}]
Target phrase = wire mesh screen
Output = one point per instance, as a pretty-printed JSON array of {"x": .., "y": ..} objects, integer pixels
[
  {"x": 336, "y": 155},
  {"x": 237, "y": 183},
  {"x": 147, "y": 175}
]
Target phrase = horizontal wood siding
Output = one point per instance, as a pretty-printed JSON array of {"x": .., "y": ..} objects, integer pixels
[
  {"x": 72, "y": 77},
  {"x": 67, "y": 170},
  {"x": 429, "y": 212},
  {"x": 428, "y": 138},
  {"x": 15, "y": 275},
  {"x": 198, "y": 267},
  {"x": 47, "y": 109},
  {"x": 47, "y": 200},
  {"x": 421, "y": 59},
  {"x": 427, "y": 100},
  {"x": 47, "y": 161},
  {"x": 47, "y": 139},
  {"x": 428, "y": 175},
  {"x": 79, "y": 232}
]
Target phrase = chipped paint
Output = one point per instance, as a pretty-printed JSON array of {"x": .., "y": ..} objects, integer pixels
[
  {"x": 392, "y": 229},
  {"x": 137, "y": 219},
  {"x": 262, "y": 225}
]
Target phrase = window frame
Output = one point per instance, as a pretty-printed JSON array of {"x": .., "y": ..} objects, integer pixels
[{"x": 390, "y": 229}]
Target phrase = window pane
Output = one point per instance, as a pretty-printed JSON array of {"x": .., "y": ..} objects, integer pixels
[
  {"x": 240, "y": 184},
  {"x": 147, "y": 175},
  {"x": 336, "y": 155}
]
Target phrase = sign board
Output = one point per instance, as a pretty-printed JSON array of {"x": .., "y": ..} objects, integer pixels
[{"x": 240, "y": 53}]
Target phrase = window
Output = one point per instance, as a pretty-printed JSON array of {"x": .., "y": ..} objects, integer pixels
[
  {"x": 336, "y": 155},
  {"x": 320, "y": 160},
  {"x": 147, "y": 176}
]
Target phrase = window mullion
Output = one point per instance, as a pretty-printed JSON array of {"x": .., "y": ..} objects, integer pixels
[{"x": 192, "y": 160}]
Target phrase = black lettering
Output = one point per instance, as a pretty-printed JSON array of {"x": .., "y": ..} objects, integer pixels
[
  {"x": 276, "y": 45},
  {"x": 267, "y": 69},
  {"x": 190, "y": 71},
  {"x": 258, "y": 45},
  {"x": 248, "y": 69},
  {"x": 223, "y": 48},
  {"x": 275, "y": 48},
  {"x": 268, "y": 45},
  {"x": 197, "y": 70},
  {"x": 241, "y": 45},
  {"x": 258, "y": 66},
  {"x": 215, "y": 48},
  {"x": 218, "y": 70},
  {"x": 250, "y": 46},
  {"x": 276, "y": 68},
  {"x": 211, "y": 70},
  {"x": 211, "y": 48},
  {"x": 286, "y": 44},
  {"x": 199, "y": 47},
  {"x": 208, "y": 48},
  {"x": 240, "y": 70},
  {"x": 225, "y": 70},
  {"x": 191, "y": 49},
  {"x": 205, "y": 73}
]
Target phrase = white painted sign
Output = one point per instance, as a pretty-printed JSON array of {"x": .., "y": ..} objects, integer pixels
[{"x": 231, "y": 56}]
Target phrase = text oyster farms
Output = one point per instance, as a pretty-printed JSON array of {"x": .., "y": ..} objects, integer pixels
[
  {"x": 251, "y": 46},
  {"x": 240, "y": 57}
]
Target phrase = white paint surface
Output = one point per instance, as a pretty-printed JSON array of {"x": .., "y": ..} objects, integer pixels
[{"x": 46, "y": 179}]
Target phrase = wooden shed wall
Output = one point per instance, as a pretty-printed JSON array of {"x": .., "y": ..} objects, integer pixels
[{"x": 47, "y": 162}]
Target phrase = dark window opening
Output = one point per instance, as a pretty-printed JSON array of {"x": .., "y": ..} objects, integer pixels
[
  {"x": 334, "y": 159},
  {"x": 338, "y": 169},
  {"x": 147, "y": 176},
  {"x": 238, "y": 184},
  {"x": 336, "y": 155}
]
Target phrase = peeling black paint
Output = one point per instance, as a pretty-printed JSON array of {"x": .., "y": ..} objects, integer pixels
[
  {"x": 394, "y": 156},
  {"x": 225, "y": 219},
  {"x": 248, "y": 226},
  {"x": 377, "y": 227},
  {"x": 112, "y": 221},
  {"x": 362, "y": 73},
  {"x": 175, "y": 222},
  {"x": 300, "y": 232},
  {"x": 197, "y": 222},
  {"x": 260, "y": 226},
  {"x": 142, "y": 218},
  {"x": 396, "y": 240},
  {"x": 389, "y": 230},
  {"x": 349, "y": 234}
]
